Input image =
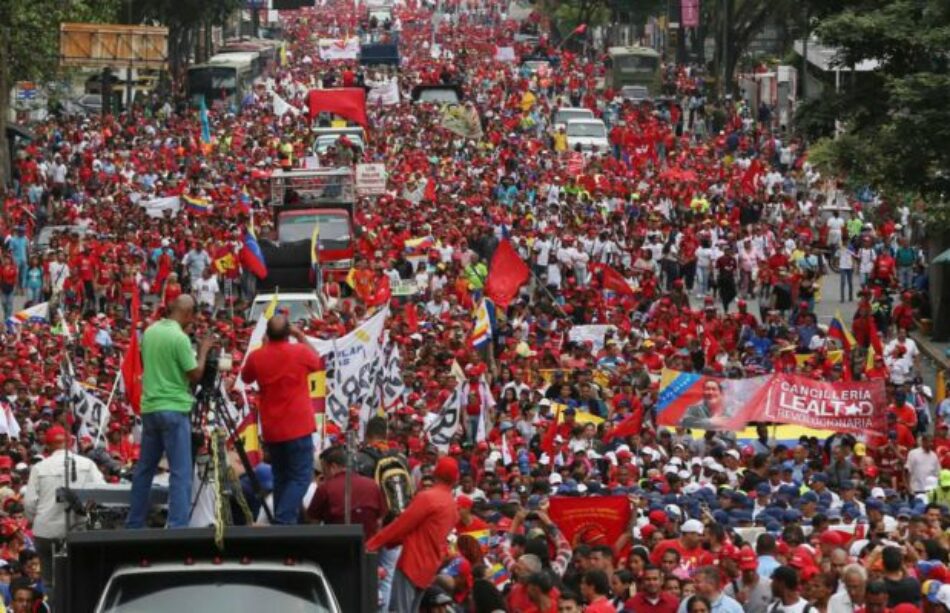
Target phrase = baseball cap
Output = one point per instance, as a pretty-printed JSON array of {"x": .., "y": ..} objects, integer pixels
[
  {"x": 692, "y": 526},
  {"x": 747, "y": 559}
]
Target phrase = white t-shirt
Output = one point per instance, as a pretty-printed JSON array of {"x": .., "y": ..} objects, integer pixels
[
  {"x": 206, "y": 290},
  {"x": 920, "y": 465},
  {"x": 798, "y": 607}
]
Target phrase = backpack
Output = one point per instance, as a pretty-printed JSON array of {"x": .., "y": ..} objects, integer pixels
[{"x": 394, "y": 480}]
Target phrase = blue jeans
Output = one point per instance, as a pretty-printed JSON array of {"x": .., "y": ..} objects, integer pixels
[
  {"x": 167, "y": 432},
  {"x": 847, "y": 275},
  {"x": 292, "y": 463}
]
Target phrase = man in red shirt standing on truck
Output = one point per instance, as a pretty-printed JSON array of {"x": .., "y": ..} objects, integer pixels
[
  {"x": 422, "y": 529},
  {"x": 281, "y": 369}
]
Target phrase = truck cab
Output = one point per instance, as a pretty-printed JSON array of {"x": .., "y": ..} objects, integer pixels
[{"x": 303, "y": 201}]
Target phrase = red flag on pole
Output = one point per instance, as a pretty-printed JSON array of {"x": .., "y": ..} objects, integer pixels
[
  {"x": 632, "y": 424},
  {"x": 750, "y": 176},
  {"x": 347, "y": 102},
  {"x": 612, "y": 280},
  {"x": 131, "y": 368},
  {"x": 506, "y": 275},
  {"x": 547, "y": 443}
]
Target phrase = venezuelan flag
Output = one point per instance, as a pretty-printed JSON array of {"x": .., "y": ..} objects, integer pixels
[
  {"x": 318, "y": 391},
  {"x": 34, "y": 314},
  {"x": 251, "y": 256},
  {"x": 249, "y": 434},
  {"x": 484, "y": 323},
  {"x": 837, "y": 329},
  {"x": 198, "y": 206},
  {"x": 499, "y": 575},
  {"x": 482, "y": 536}
]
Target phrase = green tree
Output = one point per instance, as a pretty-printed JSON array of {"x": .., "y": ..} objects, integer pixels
[
  {"x": 29, "y": 46},
  {"x": 898, "y": 122},
  {"x": 735, "y": 23},
  {"x": 184, "y": 19}
]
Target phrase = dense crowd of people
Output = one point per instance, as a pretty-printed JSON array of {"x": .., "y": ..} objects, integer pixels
[{"x": 719, "y": 229}]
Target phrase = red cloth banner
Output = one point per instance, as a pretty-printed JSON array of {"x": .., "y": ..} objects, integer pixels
[
  {"x": 506, "y": 275},
  {"x": 846, "y": 406},
  {"x": 595, "y": 521},
  {"x": 347, "y": 102},
  {"x": 689, "y": 13}
]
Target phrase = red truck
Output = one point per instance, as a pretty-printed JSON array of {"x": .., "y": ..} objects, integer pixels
[{"x": 303, "y": 200}]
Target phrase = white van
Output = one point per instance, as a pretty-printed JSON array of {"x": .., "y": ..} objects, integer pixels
[{"x": 590, "y": 134}]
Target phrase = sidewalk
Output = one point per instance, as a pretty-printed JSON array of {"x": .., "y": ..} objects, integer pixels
[{"x": 937, "y": 352}]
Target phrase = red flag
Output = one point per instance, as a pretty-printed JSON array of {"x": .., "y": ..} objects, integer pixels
[
  {"x": 506, "y": 275},
  {"x": 347, "y": 102},
  {"x": 131, "y": 368},
  {"x": 613, "y": 280},
  {"x": 580, "y": 29},
  {"x": 875, "y": 337},
  {"x": 429, "y": 193},
  {"x": 750, "y": 176},
  {"x": 598, "y": 520},
  {"x": 412, "y": 318},
  {"x": 710, "y": 347},
  {"x": 547, "y": 443},
  {"x": 631, "y": 424},
  {"x": 382, "y": 294}
]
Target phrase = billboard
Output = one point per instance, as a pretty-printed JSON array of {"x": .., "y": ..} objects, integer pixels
[{"x": 101, "y": 45}]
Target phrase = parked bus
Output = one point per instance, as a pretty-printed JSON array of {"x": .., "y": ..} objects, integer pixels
[
  {"x": 633, "y": 66},
  {"x": 268, "y": 52},
  {"x": 223, "y": 80}
]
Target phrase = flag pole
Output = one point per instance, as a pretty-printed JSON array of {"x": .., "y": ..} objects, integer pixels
[
  {"x": 548, "y": 292},
  {"x": 115, "y": 386}
]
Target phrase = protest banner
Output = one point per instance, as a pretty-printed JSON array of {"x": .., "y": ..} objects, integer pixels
[
  {"x": 595, "y": 333},
  {"x": 384, "y": 93},
  {"x": 404, "y": 287},
  {"x": 447, "y": 422},
  {"x": 156, "y": 207},
  {"x": 352, "y": 364},
  {"x": 505, "y": 54},
  {"x": 339, "y": 48},
  {"x": 696, "y": 401},
  {"x": 461, "y": 120},
  {"x": 846, "y": 406},
  {"x": 593, "y": 521},
  {"x": 370, "y": 179},
  {"x": 691, "y": 400}
]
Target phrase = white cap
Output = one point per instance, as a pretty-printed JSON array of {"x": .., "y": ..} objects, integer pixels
[
  {"x": 733, "y": 453},
  {"x": 581, "y": 488},
  {"x": 878, "y": 493},
  {"x": 693, "y": 526},
  {"x": 555, "y": 479}
]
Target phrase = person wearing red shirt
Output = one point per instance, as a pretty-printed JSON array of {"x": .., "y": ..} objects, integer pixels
[
  {"x": 281, "y": 369},
  {"x": 688, "y": 545},
  {"x": 422, "y": 529},
  {"x": 651, "y": 598},
  {"x": 367, "y": 503},
  {"x": 595, "y": 588},
  {"x": 9, "y": 273},
  {"x": 468, "y": 523}
]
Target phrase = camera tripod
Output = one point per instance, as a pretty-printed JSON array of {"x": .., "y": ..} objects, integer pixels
[{"x": 213, "y": 409}]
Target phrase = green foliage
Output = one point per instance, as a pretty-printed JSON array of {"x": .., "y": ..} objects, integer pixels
[
  {"x": 898, "y": 120},
  {"x": 31, "y": 32}
]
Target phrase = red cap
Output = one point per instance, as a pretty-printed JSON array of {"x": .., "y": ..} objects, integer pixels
[
  {"x": 55, "y": 435},
  {"x": 446, "y": 470},
  {"x": 747, "y": 559},
  {"x": 6, "y": 461},
  {"x": 658, "y": 518},
  {"x": 464, "y": 502}
]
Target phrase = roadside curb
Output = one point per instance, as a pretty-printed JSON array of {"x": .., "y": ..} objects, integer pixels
[{"x": 932, "y": 351}]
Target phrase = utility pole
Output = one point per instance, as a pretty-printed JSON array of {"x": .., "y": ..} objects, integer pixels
[{"x": 807, "y": 33}]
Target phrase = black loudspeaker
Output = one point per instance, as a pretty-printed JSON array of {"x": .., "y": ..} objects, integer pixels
[{"x": 291, "y": 5}]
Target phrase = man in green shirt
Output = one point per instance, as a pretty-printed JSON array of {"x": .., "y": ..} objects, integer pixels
[{"x": 169, "y": 370}]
